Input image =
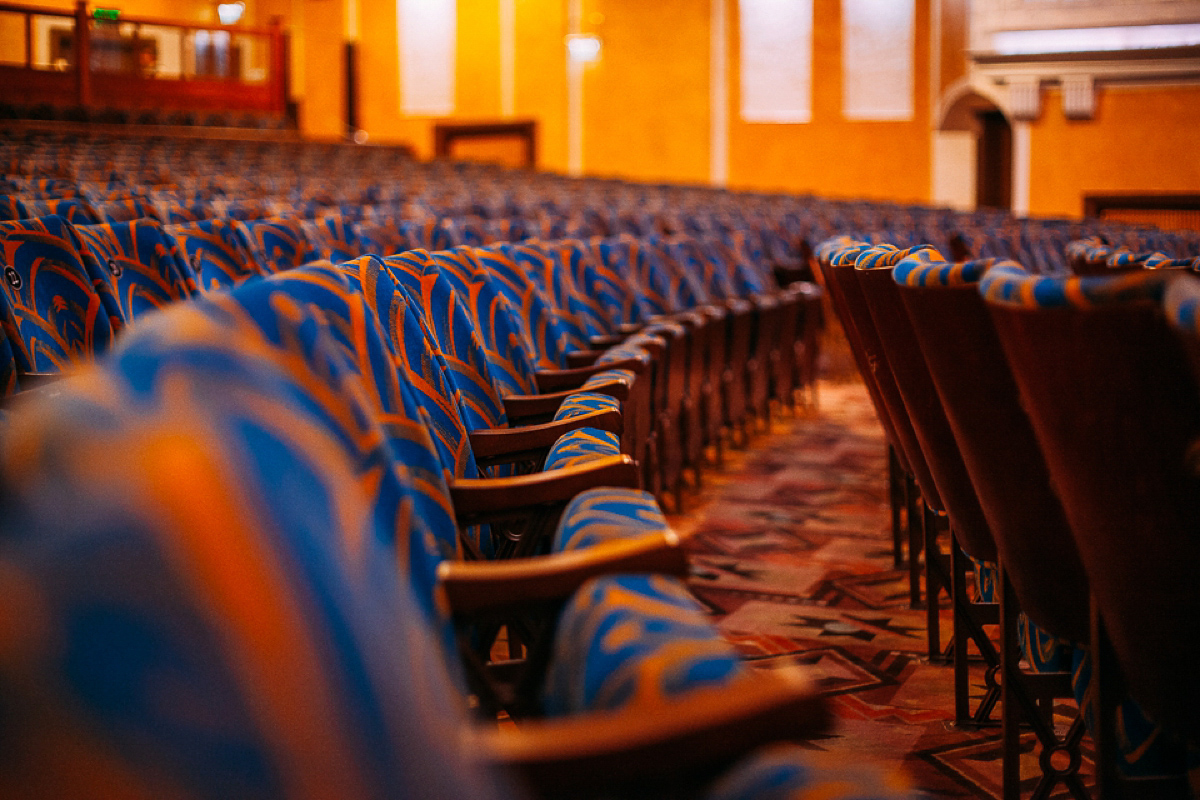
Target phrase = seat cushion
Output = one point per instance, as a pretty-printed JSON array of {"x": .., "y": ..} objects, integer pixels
[
  {"x": 605, "y": 514},
  {"x": 581, "y": 446},
  {"x": 634, "y": 641},
  {"x": 581, "y": 403}
]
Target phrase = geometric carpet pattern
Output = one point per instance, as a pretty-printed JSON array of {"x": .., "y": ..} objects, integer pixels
[{"x": 790, "y": 542}]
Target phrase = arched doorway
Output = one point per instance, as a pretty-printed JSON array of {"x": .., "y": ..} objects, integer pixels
[
  {"x": 993, "y": 160},
  {"x": 973, "y": 153}
]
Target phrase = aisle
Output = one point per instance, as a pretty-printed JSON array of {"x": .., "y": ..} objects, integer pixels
[{"x": 791, "y": 549}]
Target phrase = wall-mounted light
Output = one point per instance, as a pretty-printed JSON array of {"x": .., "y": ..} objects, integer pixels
[
  {"x": 583, "y": 47},
  {"x": 230, "y": 13}
]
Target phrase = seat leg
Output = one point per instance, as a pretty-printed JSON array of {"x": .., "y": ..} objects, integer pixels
[
  {"x": 915, "y": 522},
  {"x": 896, "y": 498},
  {"x": 930, "y": 523}
]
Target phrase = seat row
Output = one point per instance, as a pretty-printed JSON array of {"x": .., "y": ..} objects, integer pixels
[
  {"x": 1046, "y": 423},
  {"x": 245, "y": 552},
  {"x": 70, "y": 288}
]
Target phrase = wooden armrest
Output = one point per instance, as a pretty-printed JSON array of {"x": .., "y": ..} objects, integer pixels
[
  {"x": 605, "y": 342},
  {"x": 583, "y": 358},
  {"x": 700, "y": 731},
  {"x": 475, "y": 498},
  {"x": 489, "y": 444},
  {"x": 473, "y": 586},
  {"x": 553, "y": 380},
  {"x": 520, "y": 406},
  {"x": 33, "y": 380}
]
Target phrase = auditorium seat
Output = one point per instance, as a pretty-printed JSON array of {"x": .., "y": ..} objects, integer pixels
[
  {"x": 1038, "y": 571},
  {"x": 969, "y": 528},
  {"x": 53, "y": 316},
  {"x": 138, "y": 265},
  {"x": 218, "y": 251},
  {"x": 1115, "y": 409}
]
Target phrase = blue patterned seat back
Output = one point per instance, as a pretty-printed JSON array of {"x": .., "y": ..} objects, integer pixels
[
  {"x": 419, "y": 361},
  {"x": 125, "y": 209},
  {"x": 550, "y": 339},
  {"x": 399, "y": 461},
  {"x": 218, "y": 252},
  {"x": 214, "y": 614},
  {"x": 687, "y": 288},
  {"x": 457, "y": 340},
  {"x": 382, "y": 237},
  {"x": 54, "y": 316},
  {"x": 75, "y": 210},
  {"x": 509, "y": 347},
  {"x": 11, "y": 207},
  {"x": 550, "y": 268},
  {"x": 334, "y": 237},
  {"x": 607, "y": 278},
  {"x": 279, "y": 244},
  {"x": 139, "y": 263}
]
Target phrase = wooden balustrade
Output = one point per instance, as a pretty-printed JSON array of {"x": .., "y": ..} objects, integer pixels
[{"x": 138, "y": 82}]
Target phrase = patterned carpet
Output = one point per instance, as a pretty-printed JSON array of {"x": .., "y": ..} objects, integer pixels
[{"x": 791, "y": 548}]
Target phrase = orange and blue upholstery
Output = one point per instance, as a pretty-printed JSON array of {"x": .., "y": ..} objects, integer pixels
[
  {"x": 75, "y": 210},
  {"x": 509, "y": 350},
  {"x": 429, "y": 234},
  {"x": 11, "y": 207},
  {"x": 553, "y": 279},
  {"x": 635, "y": 642},
  {"x": 402, "y": 466},
  {"x": 462, "y": 348},
  {"x": 200, "y": 606},
  {"x": 278, "y": 244},
  {"x": 625, "y": 275},
  {"x": 549, "y": 335},
  {"x": 54, "y": 315},
  {"x": 457, "y": 340},
  {"x": 581, "y": 446},
  {"x": 334, "y": 237},
  {"x": 218, "y": 252},
  {"x": 139, "y": 264},
  {"x": 418, "y": 360},
  {"x": 125, "y": 209},
  {"x": 597, "y": 516}
]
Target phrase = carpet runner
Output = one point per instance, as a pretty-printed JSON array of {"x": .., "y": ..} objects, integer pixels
[{"x": 791, "y": 549}]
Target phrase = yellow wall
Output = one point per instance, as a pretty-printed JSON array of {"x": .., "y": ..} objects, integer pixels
[
  {"x": 1141, "y": 140},
  {"x": 541, "y": 77},
  {"x": 879, "y": 160},
  {"x": 646, "y": 102}
]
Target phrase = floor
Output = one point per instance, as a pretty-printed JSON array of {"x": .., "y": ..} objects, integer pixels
[{"x": 791, "y": 550}]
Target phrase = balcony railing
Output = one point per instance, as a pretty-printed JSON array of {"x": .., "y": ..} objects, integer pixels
[{"x": 64, "y": 58}]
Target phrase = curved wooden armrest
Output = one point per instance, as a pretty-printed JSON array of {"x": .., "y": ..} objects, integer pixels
[
  {"x": 583, "y": 358},
  {"x": 475, "y": 498},
  {"x": 699, "y": 731},
  {"x": 519, "y": 406},
  {"x": 553, "y": 380},
  {"x": 500, "y": 442},
  {"x": 34, "y": 380},
  {"x": 473, "y": 586},
  {"x": 607, "y": 341}
]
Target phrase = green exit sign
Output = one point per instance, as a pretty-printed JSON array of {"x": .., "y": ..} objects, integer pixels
[{"x": 106, "y": 14}]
